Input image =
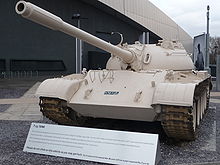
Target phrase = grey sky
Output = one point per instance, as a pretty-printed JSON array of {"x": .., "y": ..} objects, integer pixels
[{"x": 191, "y": 14}]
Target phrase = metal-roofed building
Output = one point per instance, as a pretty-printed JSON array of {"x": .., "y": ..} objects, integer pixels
[
  {"x": 26, "y": 46},
  {"x": 148, "y": 15}
]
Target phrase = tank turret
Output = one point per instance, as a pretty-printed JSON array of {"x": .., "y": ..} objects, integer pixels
[{"x": 165, "y": 55}]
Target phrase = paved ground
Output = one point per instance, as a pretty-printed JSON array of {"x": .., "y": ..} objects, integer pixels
[
  {"x": 19, "y": 107},
  {"x": 24, "y": 108}
]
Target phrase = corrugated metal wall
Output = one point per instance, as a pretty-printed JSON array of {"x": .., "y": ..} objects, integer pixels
[{"x": 149, "y": 16}]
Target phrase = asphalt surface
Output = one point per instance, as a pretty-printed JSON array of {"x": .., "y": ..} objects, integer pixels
[{"x": 205, "y": 149}]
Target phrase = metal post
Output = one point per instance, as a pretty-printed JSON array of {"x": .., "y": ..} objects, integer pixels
[
  {"x": 218, "y": 73},
  {"x": 207, "y": 41},
  {"x": 148, "y": 37},
  {"x": 144, "y": 38},
  {"x": 80, "y": 51},
  {"x": 76, "y": 55},
  {"x": 78, "y": 46}
]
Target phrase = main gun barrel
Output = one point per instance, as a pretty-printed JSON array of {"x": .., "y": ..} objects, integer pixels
[{"x": 45, "y": 18}]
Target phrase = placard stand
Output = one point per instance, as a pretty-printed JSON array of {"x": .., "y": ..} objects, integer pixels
[{"x": 100, "y": 145}]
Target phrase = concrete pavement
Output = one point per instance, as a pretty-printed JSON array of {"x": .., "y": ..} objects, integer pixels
[{"x": 24, "y": 108}]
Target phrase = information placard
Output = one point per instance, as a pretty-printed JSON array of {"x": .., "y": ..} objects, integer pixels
[{"x": 100, "y": 145}]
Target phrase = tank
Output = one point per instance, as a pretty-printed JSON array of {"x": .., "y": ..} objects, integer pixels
[{"x": 141, "y": 82}]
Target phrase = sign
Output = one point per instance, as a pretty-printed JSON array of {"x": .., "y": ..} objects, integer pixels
[
  {"x": 111, "y": 93},
  {"x": 100, "y": 145},
  {"x": 199, "y": 51}
]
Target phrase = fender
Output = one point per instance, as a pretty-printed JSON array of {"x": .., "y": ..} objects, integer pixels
[
  {"x": 174, "y": 94},
  {"x": 58, "y": 88}
]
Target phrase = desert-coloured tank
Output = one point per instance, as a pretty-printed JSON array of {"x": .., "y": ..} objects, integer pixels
[{"x": 142, "y": 82}]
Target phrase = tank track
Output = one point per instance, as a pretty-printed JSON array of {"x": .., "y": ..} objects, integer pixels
[
  {"x": 176, "y": 121},
  {"x": 56, "y": 110},
  {"x": 180, "y": 122}
]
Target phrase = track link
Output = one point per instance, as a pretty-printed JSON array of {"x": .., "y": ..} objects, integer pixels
[
  {"x": 177, "y": 122},
  {"x": 55, "y": 110}
]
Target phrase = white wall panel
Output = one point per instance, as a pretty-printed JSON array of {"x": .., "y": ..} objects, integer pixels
[
  {"x": 115, "y": 4},
  {"x": 149, "y": 16}
]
